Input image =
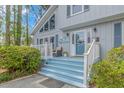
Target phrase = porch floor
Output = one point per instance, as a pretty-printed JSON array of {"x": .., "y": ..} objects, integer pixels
[{"x": 75, "y": 58}]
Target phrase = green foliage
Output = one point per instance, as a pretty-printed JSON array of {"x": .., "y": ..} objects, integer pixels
[
  {"x": 109, "y": 73},
  {"x": 116, "y": 54},
  {"x": 9, "y": 76},
  {"x": 5, "y": 77},
  {"x": 16, "y": 58}
]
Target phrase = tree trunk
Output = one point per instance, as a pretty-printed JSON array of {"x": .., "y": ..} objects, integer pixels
[
  {"x": 27, "y": 27},
  {"x": 14, "y": 25},
  {"x": 7, "y": 25},
  {"x": 19, "y": 19}
]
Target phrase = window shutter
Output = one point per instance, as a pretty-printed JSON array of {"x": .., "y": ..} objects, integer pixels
[{"x": 68, "y": 10}]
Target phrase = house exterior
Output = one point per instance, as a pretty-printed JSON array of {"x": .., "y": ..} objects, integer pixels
[
  {"x": 74, "y": 27},
  {"x": 77, "y": 25}
]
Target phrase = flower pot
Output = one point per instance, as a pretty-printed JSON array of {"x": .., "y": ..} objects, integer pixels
[{"x": 65, "y": 55}]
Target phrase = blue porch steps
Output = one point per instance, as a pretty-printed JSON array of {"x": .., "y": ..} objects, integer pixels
[{"x": 68, "y": 70}]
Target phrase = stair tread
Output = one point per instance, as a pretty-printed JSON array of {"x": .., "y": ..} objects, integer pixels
[
  {"x": 64, "y": 73},
  {"x": 65, "y": 68},
  {"x": 65, "y": 63},
  {"x": 63, "y": 79},
  {"x": 67, "y": 59},
  {"x": 68, "y": 70}
]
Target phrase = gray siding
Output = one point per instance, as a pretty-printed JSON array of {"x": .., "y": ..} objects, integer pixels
[
  {"x": 105, "y": 32},
  {"x": 95, "y": 12}
]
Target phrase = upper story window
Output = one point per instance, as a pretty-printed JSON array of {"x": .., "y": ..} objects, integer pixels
[
  {"x": 46, "y": 26},
  {"x": 52, "y": 22},
  {"x": 41, "y": 30},
  {"x": 49, "y": 25},
  {"x": 76, "y": 9}
]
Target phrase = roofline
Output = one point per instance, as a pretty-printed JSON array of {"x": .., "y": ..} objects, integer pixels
[{"x": 43, "y": 18}]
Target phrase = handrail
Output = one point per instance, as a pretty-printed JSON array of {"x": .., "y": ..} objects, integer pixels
[
  {"x": 90, "y": 47},
  {"x": 89, "y": 58}
]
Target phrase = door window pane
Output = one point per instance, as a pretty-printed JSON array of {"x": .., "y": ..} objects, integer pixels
[{"x": 80, "y": 44}]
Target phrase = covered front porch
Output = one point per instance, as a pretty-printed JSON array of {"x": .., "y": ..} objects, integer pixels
[{"x": 70, "y": 69}]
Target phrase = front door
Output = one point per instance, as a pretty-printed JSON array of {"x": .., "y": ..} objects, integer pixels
[
  {"x": 80, "y": 43},
  {"x": 77, "y": 44},
  {"x": 117, "y": 35}
]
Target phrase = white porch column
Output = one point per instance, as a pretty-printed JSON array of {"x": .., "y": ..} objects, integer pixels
[{"x": 85, "y": 70}]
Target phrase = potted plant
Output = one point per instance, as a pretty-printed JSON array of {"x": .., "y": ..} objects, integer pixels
[{"x": 65, "y": 53}]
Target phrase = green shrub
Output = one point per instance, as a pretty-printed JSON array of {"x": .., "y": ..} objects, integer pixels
[
  {"x": 9, "y": 76},
  {"x": 116, "y": 54},
  {"x": 110, "y": 71},
  {"x": 20, "y": 58}
]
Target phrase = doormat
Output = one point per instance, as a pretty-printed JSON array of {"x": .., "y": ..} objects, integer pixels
[{"x": 52, "y": 83}]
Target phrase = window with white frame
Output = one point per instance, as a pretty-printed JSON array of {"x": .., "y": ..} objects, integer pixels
[
  {"x": 37, "y": 41},
  {"x": 41, "y": 30},
  {"x": 76, "y": 9},
  {"x": 41, "y": 41},
  {"x": 52, "y": 22},
  {"x": 49, "y": 25},
  {"x": 46, "y": 26}
]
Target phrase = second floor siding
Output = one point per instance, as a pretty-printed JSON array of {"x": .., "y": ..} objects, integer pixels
[{"x": 95, "y": 12}]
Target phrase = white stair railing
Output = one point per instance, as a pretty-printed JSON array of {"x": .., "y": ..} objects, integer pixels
[
  {"x": 91, "y": 56},
  {"x": 46, "y": 49}
]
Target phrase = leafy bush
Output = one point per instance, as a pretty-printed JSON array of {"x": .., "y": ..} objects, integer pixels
[
  {"x": 19, "y": 58},
  {"x": 116, "y": 54},
  {"x": 110, "y": 71},
  {"x": 9, "y": 76}
]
